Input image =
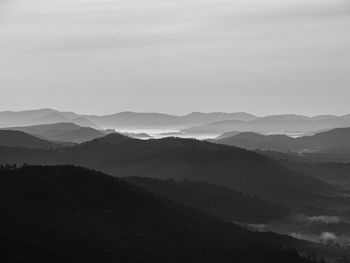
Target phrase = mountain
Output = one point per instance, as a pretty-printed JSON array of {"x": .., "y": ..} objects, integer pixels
[
  {"x": 325, "y": 167},
  {"x": 182, "y": 159},
  {"x": 120, "y": 121},
  {"x": 134, "y": 120},
  {"x": 253, "y": 141},
  {"x": 42, "y": 116},
  {"x": 196, "y": 118},
  {"x": 333, "y": 141},
  {"x": 12, "y": 118},
  {"x": 284, "y": 124},
  {"x": 218, "y": 201},
  {"x": 52, "y": 117},
  {"x": 81, "y": 121},
  {"x": 227, "y": 134},
  {"x": 194, "y": 124},
  {"x": 334, "y": 173},
  {"x": 65, "y": 132},
  {"x": 57, "y": 117},
  {"x": 20, "y": 139},
  {"x": 82, "y": 134},
  {"x": 141, "y": 135},
  {"x": 70, "y": 214},
  {"x": 70, "y": 132}
]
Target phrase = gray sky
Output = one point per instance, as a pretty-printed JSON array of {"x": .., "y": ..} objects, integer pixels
[{"x": 104, "y": 56}]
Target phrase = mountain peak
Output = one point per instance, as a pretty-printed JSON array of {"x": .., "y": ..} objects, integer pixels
[{"x": 112, "y": 139}]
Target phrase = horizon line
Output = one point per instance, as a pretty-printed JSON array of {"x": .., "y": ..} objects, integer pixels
[{"x": 176, "y": 115}]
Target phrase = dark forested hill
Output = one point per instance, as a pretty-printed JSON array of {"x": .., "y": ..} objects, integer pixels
[
  {"x": 219, "y": 201},
  {"x": 69, "y": 214},
  {"x": 331, "y": 168},
  {"x": 182, "y": 159}
]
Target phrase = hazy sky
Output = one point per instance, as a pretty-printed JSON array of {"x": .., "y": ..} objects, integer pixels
[{"x": 176, "y": 56}]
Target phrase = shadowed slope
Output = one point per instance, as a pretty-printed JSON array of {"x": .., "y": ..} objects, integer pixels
[
  {"x": 20, "y": 139},
  {"x": 72, "y": 214},
  {"x": 219, "y": 201}
]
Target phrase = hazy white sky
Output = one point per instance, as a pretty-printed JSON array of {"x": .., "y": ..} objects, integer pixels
[{"x": 104, "y": 56}]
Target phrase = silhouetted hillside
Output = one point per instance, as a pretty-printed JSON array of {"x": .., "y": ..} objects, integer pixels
[
  {"x": 335, "y": 173},
  {"x": 325, "y": 167},
  {"x": 218, "y": 201},
  {"x": 20, "y": 139},
  {"x": 69, "y": 214},
  {"x": 307, "y": 156},
  {"x": 182, "y": 159}
]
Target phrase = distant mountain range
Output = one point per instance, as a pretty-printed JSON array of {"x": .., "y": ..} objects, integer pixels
[
  {"x": 284, "y": 124},
  {"x": 61, "y": 132},
  {"x": 193, "y": 124},
  {"x": 67, "y": 132},
  {"x": 42, "y": 116},
  {"x": 333, "y": 141},
  {"x": 133, "y": 120},
  {"x": 181, "y": 159}
]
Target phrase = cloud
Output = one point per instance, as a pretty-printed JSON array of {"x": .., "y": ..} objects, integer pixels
[
  {"x": 326, "y": 238},
  {"x": 322, "y": 219}
]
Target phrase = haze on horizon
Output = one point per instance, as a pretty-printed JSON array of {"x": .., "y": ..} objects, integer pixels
[{"x": 100, "y": 57}]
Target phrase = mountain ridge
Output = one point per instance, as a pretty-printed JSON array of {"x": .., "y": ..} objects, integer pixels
[
  {"x": 12, "y": 138},
  {"x": 331, "y": 141}
]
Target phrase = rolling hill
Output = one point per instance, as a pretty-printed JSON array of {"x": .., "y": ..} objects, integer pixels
[
  {"x": 64, "y": 131},
  {"x": 325, "y": 167},
  {"x": 70, "y": 214},
  {"x": 332, "y": 141},
  {"x": 11, "y": 138},
  {"x": 182, "y": 159}
]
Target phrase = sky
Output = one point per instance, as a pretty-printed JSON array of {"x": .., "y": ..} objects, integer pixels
[{"x": 104, "y": 56}]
